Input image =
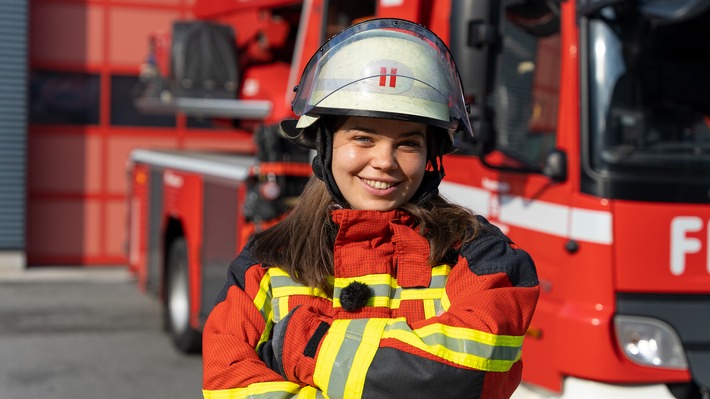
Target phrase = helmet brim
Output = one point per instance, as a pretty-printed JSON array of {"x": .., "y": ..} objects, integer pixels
[{"x": 304, "y": 136}]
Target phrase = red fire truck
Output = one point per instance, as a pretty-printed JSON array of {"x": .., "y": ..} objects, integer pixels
[{"x": 593, "y": 154}]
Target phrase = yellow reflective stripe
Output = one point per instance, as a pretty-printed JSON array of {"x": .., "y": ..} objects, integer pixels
[
  {"x": 345, "y": 356},
  {"x": 283, "y": 285},
  {"x": 466, "y": 347},
  {"x": 388, "y": 294},
  {"x": 275, "y": 271},
  {"x": 445, "y": 302},
  {"x": 421, "y": 293},
  {"x": 402, "y": 295},
  {"x": 386, "y": 279},
  {"x": 282, "y": 309},
  {"x": 293, "y": 290},
  {"x": 369, "y": 279},
  {"x": 383, "y": 301},
  {"x": 261, "y": 390},
  {"x": 382, "y": 284},
  {"x": 328, "y": 352},
  {"x": 370, "y": 341},
  {"x": 309, "y": 392},
  {"x": 467, "y": 333},
  {"x": 262, "y": 301},
  {"x": 429, "y": 309},
  {"x": 441, "y": 270}
]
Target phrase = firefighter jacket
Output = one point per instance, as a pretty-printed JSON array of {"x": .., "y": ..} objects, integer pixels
[{"x": 449, "y": 331}]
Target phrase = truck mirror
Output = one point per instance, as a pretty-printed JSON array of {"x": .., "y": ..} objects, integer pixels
[
  {"x": 473, "y": 40},
  {"x": 474, "y": 30},
  {"x": 556, "y": 165}
]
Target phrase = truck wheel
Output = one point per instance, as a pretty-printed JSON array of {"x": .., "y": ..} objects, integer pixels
[{"x": 177, "y": 300}]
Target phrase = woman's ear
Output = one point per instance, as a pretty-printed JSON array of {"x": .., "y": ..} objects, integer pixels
[{"x": 323, "y": 161}]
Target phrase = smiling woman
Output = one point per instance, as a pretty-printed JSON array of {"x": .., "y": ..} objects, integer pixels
[{"x": 374, "y": 286}]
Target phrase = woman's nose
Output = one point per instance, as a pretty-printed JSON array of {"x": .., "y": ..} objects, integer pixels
[{"x": 383, "y": 157}]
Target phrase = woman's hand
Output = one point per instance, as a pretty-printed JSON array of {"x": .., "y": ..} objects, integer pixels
[{"x": 292, "y": 350}]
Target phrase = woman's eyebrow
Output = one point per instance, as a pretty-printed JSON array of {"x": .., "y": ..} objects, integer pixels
[
  {"x": 412, "y": 133},
  {"x": 362, "y": 129}
]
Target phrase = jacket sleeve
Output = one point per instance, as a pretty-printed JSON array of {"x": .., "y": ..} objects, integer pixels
[
  {"x": 239, "y": 323},
  {"x": 472, "y": 348}
]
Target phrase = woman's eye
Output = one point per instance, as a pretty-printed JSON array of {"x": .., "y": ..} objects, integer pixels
[
  {"x": 362, "y": 139},
  {"x": 411, "y": 144}
]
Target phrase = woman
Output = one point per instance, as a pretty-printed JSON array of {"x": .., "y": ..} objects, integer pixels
[{"x": 374, "y": 286}]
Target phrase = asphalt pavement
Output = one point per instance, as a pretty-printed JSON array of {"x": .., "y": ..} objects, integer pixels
[{"x": 79, "y": 333}]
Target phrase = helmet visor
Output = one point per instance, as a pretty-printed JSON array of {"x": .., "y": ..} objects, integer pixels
[{"x": 386, "y": 68}]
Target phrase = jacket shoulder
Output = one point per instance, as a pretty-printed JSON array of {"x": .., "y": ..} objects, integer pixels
[
  {"x": 236, "y": 273},
  {"x": 494, "y": 252}
]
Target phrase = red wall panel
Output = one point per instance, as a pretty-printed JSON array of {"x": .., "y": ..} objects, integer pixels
[
  {"x": 70, "y": 34},
  {"x": 76, "y": 205}
]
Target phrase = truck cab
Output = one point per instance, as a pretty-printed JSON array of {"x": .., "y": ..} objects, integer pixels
[{"x": 593, "y": 156}]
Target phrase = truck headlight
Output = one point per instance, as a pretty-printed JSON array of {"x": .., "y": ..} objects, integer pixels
[{"x": 649, "y": 342}]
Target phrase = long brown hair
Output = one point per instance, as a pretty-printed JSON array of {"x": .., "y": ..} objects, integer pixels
[{"x": 302, "y": 243}]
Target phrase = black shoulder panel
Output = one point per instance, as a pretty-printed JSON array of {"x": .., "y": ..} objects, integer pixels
[
  {"x": 237, "y": 270},
  {"x": 493, "y": 252}
]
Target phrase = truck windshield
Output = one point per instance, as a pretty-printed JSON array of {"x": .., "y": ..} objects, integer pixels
[{"x": 649, "y": 103}]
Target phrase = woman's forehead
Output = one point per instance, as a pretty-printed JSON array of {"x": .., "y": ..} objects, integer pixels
[{"x": 381, "y": 125}]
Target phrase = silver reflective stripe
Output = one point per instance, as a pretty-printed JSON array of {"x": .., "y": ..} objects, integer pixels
[
  {"x": 277, "y": 310},
  {"x": 344, "y": 359},
  {"x": 281, "y": 281},
  {"x": 463, "y": 345},
  {"x": 438, "y": 281}
]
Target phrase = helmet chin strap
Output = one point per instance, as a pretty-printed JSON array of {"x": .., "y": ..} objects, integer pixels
[
  {"x": 429, "y": 187},
  {"x": 323, "y": 161}
]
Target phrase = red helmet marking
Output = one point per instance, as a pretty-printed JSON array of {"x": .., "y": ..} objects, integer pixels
[{"x": 392, "y": 75}]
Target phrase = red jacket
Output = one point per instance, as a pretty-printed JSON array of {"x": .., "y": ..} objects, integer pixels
[{"x": 451, "y": 331}]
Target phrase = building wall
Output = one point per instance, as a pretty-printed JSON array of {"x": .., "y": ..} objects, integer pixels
[{"x": 84, "y": 58}]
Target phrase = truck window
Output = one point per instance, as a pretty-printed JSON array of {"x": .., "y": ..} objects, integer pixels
[
  {"x": 649, "y": 112},
  {"x": 654, "y": 113},
  {"x": 526, "y": 93}
]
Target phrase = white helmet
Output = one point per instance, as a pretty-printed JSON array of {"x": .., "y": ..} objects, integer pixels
[{"x": 385, "y": 68}]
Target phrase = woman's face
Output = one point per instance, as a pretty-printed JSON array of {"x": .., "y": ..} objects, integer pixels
[{"x": 378, "y": 164}]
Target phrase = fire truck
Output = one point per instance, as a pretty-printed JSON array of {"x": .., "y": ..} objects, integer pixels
[{"x": 593, "y": 154}]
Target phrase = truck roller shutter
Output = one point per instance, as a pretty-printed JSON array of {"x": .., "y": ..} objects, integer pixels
[
  {"x": 203, "y": 60},
  {"x": 13, "y": 124}
]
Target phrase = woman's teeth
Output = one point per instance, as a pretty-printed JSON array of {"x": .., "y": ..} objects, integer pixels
[{"x": 380, "y": 185}]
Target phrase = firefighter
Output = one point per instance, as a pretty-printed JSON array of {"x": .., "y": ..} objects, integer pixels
[{"x": 374, "y": 286}]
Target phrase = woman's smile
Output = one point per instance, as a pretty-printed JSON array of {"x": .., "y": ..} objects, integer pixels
[{"x": 379, "y": 185}]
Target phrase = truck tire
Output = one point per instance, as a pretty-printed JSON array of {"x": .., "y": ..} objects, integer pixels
[{"x": 177, "y": 300}]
